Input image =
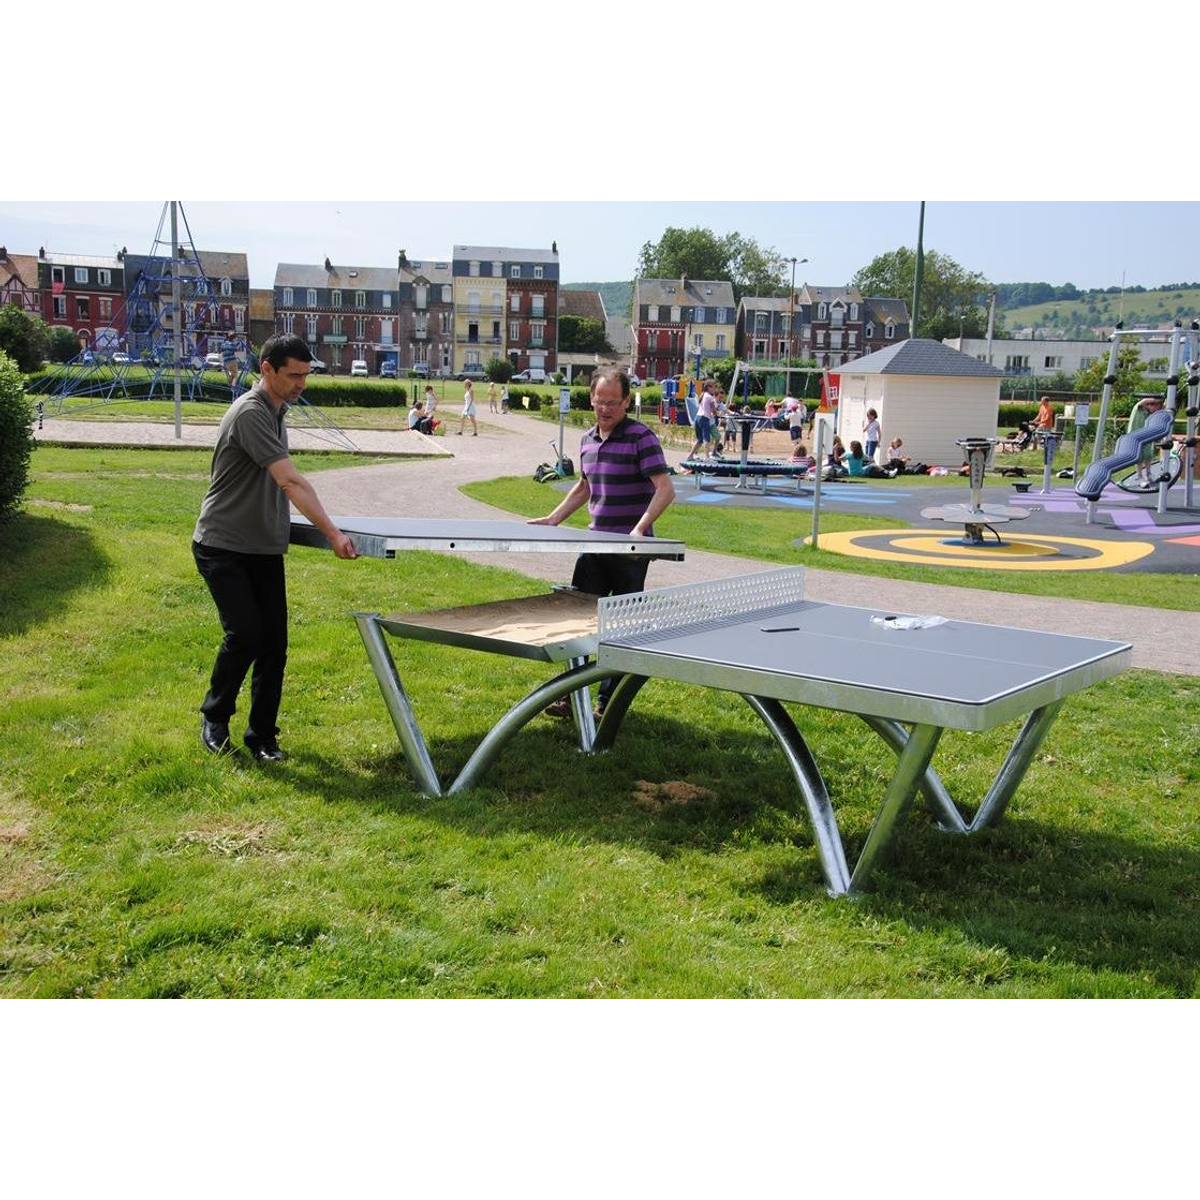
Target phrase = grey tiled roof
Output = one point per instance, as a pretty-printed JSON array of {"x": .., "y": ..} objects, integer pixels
[
  {"x": 504, "y": 254},
  {"x": 767, "y": 303},
  {"x": 588, "y": 304},
  {"x": 314, "y": 275},
  {"x": 885, "y": 308},
  {"x": 220, "y": 264},
  {"x": 814, "y": 295},
  {"x": 436, "y": 270},
  {"x": 920, "y": 356},
  {"x": 706, "y": 292}
]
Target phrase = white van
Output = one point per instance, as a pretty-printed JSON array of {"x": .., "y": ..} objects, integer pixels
[{"x": 359, "y": 367}]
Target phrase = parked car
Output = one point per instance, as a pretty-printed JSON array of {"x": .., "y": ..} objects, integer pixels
[
  {"x": 317, "y": 367},
  {"x": 419, "y": 371},
  {"x": 212, "y": 361},
  {"x": 388, "y": 370},
  {"x": 532, "y": 375},
  {"x": 472, "y": 371},
  {"x": 120, "y": 357},
  {"x": 359, "y": 367},
  {"x": 634, "y": 381}
]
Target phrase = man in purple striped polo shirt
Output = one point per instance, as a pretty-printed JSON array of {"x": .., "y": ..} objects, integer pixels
[{"x": 626, "y": 484}]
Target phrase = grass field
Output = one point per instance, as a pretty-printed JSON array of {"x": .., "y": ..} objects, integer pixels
[
  {"x": 134, "y": 864},
  {"x": 1133, "y": 307}
]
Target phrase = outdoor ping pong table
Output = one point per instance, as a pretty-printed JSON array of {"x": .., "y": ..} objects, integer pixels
[
  {"x": 908, "y": 678},
  {"x": 382, "y": 537}
]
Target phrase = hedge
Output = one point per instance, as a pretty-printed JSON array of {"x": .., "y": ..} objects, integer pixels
[{"x": 16, "y": 437}]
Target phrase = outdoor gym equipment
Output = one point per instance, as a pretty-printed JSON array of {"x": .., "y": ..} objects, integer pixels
[{"x": 976, "y": 516}]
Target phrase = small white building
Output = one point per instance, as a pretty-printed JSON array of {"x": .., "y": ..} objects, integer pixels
[{"x": 925, "y": 393}]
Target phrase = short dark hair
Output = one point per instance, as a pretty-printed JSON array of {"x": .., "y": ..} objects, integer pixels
[
  {"x": 616, "y": 373},
  {"x": 282, "y": 346}
]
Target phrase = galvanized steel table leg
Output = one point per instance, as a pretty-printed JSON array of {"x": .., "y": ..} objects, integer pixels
[
  {"x": 581, "y": 709},
  {"x": 615, "y": 710},
  {"x": 398, "y": 706},
  {"x": 520, "y": 714},
  {"x": 934, "y": 790},
  {"x": 812, "y": 787},
  {"x": 914, "y": 761},
  {"x": 1009, "y": 777}
]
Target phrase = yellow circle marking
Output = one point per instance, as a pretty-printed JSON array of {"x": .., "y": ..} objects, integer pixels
[
  {"x": 928, "y": 545},
  {"x": 858, "y": 544}
]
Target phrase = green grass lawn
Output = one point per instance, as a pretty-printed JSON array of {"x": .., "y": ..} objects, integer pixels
[
  {"x": 132, "y": 863},
  {"x": 768, "y": 534}
]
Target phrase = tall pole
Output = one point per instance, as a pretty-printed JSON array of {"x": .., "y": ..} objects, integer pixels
[
  {"x": 920, "y": 272},
  {"x": 176, "y": 338},
  {"x": 792, "y": 315}
]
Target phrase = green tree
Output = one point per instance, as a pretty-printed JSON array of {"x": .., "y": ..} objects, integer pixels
[
  {"x": 952, "y": 298},
  {"x": 61, "y": 344},
  {"x": 16, "y": 437},
  {"x": 1128, "y": 380},
  {"x": 23, "y": 337},
  {"x": 582, "y": 335},
  {"x": 499, "y": 370},
  {"x": 701, "y": 254}
]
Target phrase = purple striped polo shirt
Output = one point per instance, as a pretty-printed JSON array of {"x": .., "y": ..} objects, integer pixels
[{"x": 618, "y": 471}]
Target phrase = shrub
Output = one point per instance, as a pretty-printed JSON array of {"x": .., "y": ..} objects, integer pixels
[
  {"x": 62, "y": 344},
  {"x": 499, "y": 370},
  {"x": 16, "y": 437},
  {"x": 23, "y": 337}
]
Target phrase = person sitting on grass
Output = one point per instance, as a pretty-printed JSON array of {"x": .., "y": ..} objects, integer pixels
[
  {"x": 801, "y": 457},
  {"x": 419, "y": 420},
  {"x": 861, "y": 467},
  {"x": 896, "y": 460}
]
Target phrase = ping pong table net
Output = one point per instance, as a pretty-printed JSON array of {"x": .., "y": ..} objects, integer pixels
[{"x": 665, "y": 612}]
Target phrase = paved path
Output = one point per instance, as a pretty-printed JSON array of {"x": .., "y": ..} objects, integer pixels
[{"x": 515, "y": 443}]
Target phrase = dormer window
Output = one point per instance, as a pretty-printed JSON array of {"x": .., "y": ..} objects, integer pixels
[
  {"x": 515, "y": 270},
  {"x": 311, "y": 299},
  {"x": 698, "y": 315},
  {"x": 889, "y": 330},
  {"x": 473, "y": 268},
  {"x": 854, "y": 312},
  {"x": 335, "y": 298},
  {"x": 822, "y": 311},
  {"x": 360, "y": 299},
  {"x": 287, "y": 297},
  {"x": 497, "y": 270},
  {"x": 226, "y": 287},
  {"x": 870, "y": 329}
]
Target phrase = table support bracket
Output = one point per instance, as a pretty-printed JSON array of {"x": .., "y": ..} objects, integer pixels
[{"x": 1009, "y": 777}]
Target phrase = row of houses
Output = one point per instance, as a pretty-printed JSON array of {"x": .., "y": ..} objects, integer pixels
[
  {"x": 445, "y": 316},
  {"x": 678, "y": 323}
]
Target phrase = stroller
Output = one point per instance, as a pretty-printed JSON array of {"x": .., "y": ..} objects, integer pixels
[{"x": 1019, "y": 439}]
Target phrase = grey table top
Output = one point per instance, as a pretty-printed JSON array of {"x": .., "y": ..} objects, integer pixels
[
  {"x": 958, "y": 674},
  {"x": 382, "y": 537}
]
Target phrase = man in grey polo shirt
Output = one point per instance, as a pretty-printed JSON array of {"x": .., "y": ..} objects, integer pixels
[{"x": 240, "y": 539}]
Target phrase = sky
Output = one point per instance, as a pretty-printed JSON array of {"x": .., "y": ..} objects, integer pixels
[{"x": 1090, "y": 244}]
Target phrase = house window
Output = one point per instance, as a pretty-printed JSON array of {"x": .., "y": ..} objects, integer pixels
[
  {"x": 850, "y": 336},
  {"x": 889, "y": 330},
  {"x": 822, "y": 311},
  {"x": 652, "y": 312},
  {"x": 720, "y": 341},
  {"x": 785, "y": 323},
  {"x": 514, "y": 271},
  {"x": 473, "y": 302},
  {"x": 310, "y": 325},
  {"x": 720, "y": 316},
  {"x": 835, "y": 340},
  {"x": 675, "y": 312},
  {"x": 202, "y": 287},
  {"x": 1085, "y": 361},
  {"x": 538, "y": 272},
  {"x": 336, "y": 328},
  {"x": 837, "y": 316},
  {"x": 226, "y": 287},
  {"x": 360, "y": 328},
  {"x": 1053, "y": 362},
  {"x": 387, "y": 299},
  {"x": 497, "y": 270},
  {"x": 360, "y": 299},
  {"x": 81, "y": 308},
  {"x": 105, "y": 307},
  {"x": 60, "y": 306},
  {"x": 514, "y": 302},
  {"x": 103, "y": 277},
  {"x": 854, "y": 312},
  {"x": 447, "y": 294},
  {"x": 287, "y": 297},
  {"x": 310, "y": 297},
  {"x": 444, "y": 322},
  {"x": 783, "y": 349},
  {"x": 473, "y": 268},
  {"x": 421, "y": 294},
  {"x": 1017, "y": 362},
  {"x": 335, "y": 298},
  {"x": 386, "y": 334},
  {"x": 870, "y": 329},
  {"x": 698, "y": 315},
  {"x": 820, "y": 337},
  {"x": 56, "y": 275},
  {"x": 497, "y": 302},
  {"x": 239, "y": 319},
  {"x": 81, "y": 275},
  {"x": 537, "y": 330},
  {"x": 514, "y": 330},
  {"x": 539, "y": 305},
  {"x": 698, "y": 341}
]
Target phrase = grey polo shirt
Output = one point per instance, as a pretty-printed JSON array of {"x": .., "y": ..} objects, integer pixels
[{"x": 245, "y": 509}]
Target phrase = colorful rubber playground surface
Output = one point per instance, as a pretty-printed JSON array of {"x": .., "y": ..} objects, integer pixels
[{"x": 1127, "y": 534}]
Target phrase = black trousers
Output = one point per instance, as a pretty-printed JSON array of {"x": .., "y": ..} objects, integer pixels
[
  {"x": 609, "y": 575},
  {"x": 251, "y": 597}
]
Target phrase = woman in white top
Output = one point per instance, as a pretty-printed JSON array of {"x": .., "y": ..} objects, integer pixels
[
  {"x": 468, "y": 410},
  {"x": 871, "y": 434}
]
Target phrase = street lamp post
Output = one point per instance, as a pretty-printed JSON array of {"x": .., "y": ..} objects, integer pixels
[{"x": 792, "y": 321}]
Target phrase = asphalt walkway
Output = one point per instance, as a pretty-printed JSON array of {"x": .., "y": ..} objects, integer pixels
[{"x": 427, "y": 481}]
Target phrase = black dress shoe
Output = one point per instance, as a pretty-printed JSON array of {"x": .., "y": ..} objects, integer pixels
[
  {"x": 215, "y": 736},
  {"x": 263, "y": 749}
]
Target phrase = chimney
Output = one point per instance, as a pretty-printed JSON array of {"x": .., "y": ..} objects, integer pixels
[
  {"x": 403, "y": 260},
  {"x": 41, "y": 252},
  {"x": 328, "y": 264},
  {"x": 683, "y": 283},
  {"x": 554, "y": 247}
]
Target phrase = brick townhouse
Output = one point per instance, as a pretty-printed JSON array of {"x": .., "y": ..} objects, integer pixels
[{"x": 86, "y": 293}]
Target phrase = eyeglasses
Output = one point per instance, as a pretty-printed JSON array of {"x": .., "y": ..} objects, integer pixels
[{"x": 607, "y": 403}]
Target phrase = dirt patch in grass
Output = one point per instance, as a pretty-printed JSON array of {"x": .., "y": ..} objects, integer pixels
[
  {"x": 21, "y": 871},
  {"x": 59, "y": 504},
  {"x": 654, "y": 797},
  {"x": 228, "y": 841}
]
